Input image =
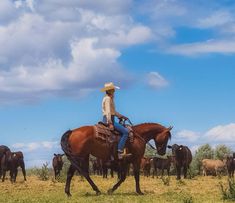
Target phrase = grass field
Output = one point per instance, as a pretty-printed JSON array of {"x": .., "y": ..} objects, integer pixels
[{"x": 199, "y": 189}]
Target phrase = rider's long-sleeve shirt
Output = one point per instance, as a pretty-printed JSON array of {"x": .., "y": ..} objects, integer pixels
[{"x": 108, "y": 108}]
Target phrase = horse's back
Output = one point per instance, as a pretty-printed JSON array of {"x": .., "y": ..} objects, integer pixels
[
  {"x": 80, "y": 139},
  {"x": 83, "y": 132}
]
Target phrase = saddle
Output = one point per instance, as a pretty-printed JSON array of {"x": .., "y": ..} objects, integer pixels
[{"x": 105, "y": 134}]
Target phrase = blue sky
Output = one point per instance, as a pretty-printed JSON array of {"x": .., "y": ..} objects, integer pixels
[{"x": 174, "y": 61}]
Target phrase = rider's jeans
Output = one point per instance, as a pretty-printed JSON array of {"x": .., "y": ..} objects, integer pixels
[{"x": 124, "y": 133}]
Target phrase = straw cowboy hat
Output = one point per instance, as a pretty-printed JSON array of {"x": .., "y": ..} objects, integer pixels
[{"x": 109, "y": 86}]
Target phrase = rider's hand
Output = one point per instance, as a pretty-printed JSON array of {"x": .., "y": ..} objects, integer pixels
[{"x": 111, "y": 127}]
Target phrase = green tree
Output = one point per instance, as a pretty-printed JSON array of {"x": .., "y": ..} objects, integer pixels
[
  {"x": 221, "y": 151},
  {"x": 149, "y": 152},
  {"x": 203, "y": 152}
]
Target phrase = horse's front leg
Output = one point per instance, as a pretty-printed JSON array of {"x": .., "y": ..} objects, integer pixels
[
  {"x": 70, "y": 174},
  {"x": 178, "y": 172},
  {"x": 137, "y": 177}
]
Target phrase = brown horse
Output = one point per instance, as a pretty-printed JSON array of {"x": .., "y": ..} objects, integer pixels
[{"x": 79, "y": 143}]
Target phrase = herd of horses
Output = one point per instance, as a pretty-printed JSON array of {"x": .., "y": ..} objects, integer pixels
[{"x": 80, "y": 143}]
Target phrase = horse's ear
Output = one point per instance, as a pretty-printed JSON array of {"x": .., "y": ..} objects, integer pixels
[
  {"x": 170, "y": 128},
  {"x": 55, "y": 155},
  {"x": 169, "y": 146}
]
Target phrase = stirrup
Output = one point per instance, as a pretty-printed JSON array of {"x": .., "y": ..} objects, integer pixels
[{"x": 122, "y": 155}]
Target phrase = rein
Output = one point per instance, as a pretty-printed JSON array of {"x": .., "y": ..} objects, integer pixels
[
  {"x": 137, "y": 134},
  {"x": 142, "y": 139},
  {"x": 151, "y": 146}
]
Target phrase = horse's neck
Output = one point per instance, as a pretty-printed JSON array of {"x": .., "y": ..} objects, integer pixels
[{"x": 148, "y": 131}]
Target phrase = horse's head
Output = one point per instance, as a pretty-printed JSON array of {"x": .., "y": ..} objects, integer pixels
[
  {"x": 162, "y": 139},
  {"x": 59, "y": 157}
]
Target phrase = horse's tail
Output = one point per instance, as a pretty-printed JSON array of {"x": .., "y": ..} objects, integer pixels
[
  {"x": 64, "y": 142},
  {"x": 75, "y": 161}
]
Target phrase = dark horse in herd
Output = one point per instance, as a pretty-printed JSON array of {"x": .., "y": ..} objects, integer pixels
[
  {"x": 10, "y": 161},
  {"x": 182, "y": 157},
  {"x": 57, "y": 164},
  {"x": 79, "y": 143}
]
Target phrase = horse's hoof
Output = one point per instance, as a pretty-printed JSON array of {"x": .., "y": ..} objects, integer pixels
[
  {"x": 68, "y": 194},
  {"x": 98, "y": 193},
  {"x": 140, "y": 193},
  {"x": 110, "y": 192}
]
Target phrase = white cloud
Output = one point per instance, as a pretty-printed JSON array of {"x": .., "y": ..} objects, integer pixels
[
  {"x": 69, "y": 49},
  {"x": 164, "y": 10},
  {"x": 156, "y": 81},
  {"x": 33, "y": 146},
  {"x": 18, "y": 145},
  {"x": 37, "y": 153},
  {"x": 38, "y": 163},
  {"x": 170, "y": 19},
  {"x": 136, "y": 35},
  {"x": 30, "y": 4},
  {"x": 115, "y": 7},
  {"x": 188, "y": 135},
  {"x": 222, "y": 133},
  {"x": 90, "y": 66},
  {"x": 194, "y": 148},
  {"x": 207, "y": 47},
  {"x": 8, "y": 11},
  {"x": 49, "y": 145},
  {"x": 218, "y": 18}
]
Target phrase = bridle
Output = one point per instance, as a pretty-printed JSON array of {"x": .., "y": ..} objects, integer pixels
[{"x": 122, "y": 121}]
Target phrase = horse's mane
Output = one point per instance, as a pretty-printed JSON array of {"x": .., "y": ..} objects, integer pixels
[
  {"x": 147, "y": 124},
  {"x": 155, "y": 126}
]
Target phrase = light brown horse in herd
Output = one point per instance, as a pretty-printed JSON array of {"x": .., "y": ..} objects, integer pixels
[{"x": 79, "y": 143}]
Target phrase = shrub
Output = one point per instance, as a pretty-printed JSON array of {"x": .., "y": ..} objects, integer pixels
[
  {"x": 43, "y": 173},
  {"x": 188, "y": 199},
  {"x": 228, "y": 193},
  {"x": 192, "y": 173},
  {"x": 180, "y": 182},
  {"x": 166, "y": 180}
]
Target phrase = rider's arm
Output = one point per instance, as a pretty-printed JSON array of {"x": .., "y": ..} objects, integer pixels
[
  {"x": 118, "y": 114},
  {"x": 107, "y": 107}
]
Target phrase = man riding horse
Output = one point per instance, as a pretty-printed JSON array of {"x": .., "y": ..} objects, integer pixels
[
  {"x": 78, "y": 144},
  {"x": 109, "y": 114}
]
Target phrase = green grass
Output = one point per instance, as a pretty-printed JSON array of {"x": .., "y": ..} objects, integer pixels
[{"x": 199, "y": 189}]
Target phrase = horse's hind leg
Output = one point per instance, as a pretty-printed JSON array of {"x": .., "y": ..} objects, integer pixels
[
  {"x": 85, "y": 173},
  {"x": 3, "y": 174},
  {"x": 70, "y": 174},
  {"x": 185, "y": 171},
  {"x": 22, "y": 165},
  {"x": 82, "y": 165}
]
